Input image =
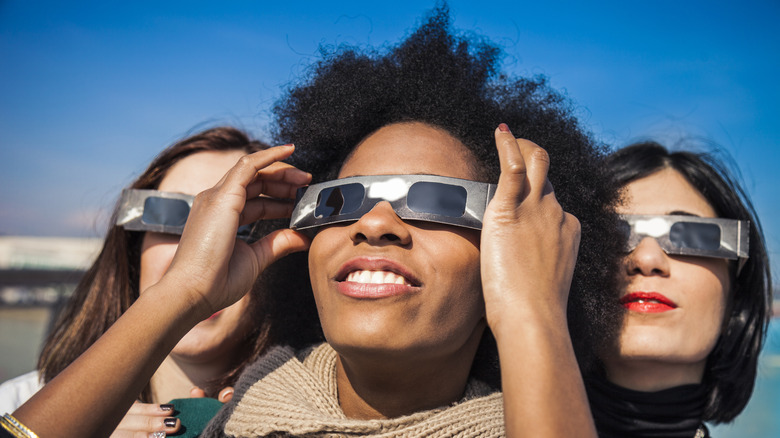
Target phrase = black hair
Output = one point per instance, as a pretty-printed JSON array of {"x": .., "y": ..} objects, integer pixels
[
  {"x": 731, "y": 367},
  {"x": 453, "y": 83}
]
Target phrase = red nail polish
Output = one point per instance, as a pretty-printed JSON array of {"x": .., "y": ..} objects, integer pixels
[{"x": 503, "y": 127}]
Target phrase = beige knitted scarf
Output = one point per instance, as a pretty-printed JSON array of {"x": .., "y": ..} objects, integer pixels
[{"x": 293, "y": 395}]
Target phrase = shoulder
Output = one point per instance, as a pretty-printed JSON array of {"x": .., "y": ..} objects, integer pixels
[{"x": 14, "y": 392}]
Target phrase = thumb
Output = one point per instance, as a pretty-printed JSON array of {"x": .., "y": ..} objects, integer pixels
[{"x": 279, "y": 244}]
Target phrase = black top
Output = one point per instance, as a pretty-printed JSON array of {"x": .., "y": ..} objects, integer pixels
[{"x": 619, "y": 412}]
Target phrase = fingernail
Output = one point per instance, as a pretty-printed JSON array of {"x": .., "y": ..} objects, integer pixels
[
  {"x": 170, "y": 422},
  {"x": 503, "y": 127},
  {"x": 167, "y": 407}
]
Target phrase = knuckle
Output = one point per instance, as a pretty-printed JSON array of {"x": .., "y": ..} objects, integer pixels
[
  {"x": 541, "y": 155},
  {"x": 153, "y": 424},
  {"x": 244, "y": 161},
  {"x": 204, "y": 196},
  {"x": 516, "y": 167}
]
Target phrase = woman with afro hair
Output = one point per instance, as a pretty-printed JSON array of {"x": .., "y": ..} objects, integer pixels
[{"x": 436, "y": 246}]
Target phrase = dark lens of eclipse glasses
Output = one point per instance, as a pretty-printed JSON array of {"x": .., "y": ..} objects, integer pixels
[
  {"x": 423, "y": 197},
  {"x": 165, "y": 211},
  {"x": 695, "y": 235},
  {"x": 335, "y": 201}
]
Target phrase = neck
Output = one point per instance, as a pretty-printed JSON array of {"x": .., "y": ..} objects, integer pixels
[
  {"x": 653, "y": 375},
  {"x": 176, "y": 377},
  {"x": 374, "y": 386}
]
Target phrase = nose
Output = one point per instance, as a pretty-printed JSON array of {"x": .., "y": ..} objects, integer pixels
[
  {"x": 648, "y": 258},
  {"x": 381, "y": 226}
]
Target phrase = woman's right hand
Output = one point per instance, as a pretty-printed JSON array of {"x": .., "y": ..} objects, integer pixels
[
  {"x": 211, "y": 270},
  {"x": 211, "y": 265},
  {"x": 143, "y": 420}
]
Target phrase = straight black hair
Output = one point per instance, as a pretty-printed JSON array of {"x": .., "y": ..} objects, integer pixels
[{"x": 731, "y": 367}]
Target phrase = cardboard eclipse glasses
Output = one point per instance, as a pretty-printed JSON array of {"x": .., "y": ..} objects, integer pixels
[
  {"x": 450, "y": 201},
  {"x": 164, "y": 212},
  {"x": 690, "y": 235},
  {"x": 430, "y": 198}
]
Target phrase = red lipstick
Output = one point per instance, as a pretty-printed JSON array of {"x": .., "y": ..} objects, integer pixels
[{"x": 647, "y": 302}]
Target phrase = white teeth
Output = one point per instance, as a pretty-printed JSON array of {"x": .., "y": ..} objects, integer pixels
[{"x": 376, "y": 277}]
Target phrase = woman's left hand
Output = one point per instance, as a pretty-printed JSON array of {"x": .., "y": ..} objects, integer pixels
[
  {"x": 529, "y": 244},
  {"x": 528, "y": 252}
]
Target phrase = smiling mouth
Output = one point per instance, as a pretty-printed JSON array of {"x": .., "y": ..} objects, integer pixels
[{"x": 377, "y": 277}]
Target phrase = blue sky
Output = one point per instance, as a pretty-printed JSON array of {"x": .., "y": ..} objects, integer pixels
[{"x": 91, "y": 91}]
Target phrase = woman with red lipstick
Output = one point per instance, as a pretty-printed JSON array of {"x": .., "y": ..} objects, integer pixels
[
  {"x": 212, "y": 354},
  {"x": 437, "y": 249},
  {"x": 696, "y": 296}
]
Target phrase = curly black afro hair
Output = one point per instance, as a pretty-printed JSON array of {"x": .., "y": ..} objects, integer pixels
[{"x": 453, "y": 83}]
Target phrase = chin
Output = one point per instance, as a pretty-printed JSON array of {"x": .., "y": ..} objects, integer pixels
[{"x": 660, "y": 348}]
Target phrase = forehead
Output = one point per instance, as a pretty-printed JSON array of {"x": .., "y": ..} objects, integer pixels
[
  {"x": 409, "y": 148},
  {"x": 664, "y": 192},
  {"x": 199, "y": 171}
]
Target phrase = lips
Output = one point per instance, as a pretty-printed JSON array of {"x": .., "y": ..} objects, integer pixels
[
  {"x": 375, "y": 278},
  {"x": 647, "y": 302}
]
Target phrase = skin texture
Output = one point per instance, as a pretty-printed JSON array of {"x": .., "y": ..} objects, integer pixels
[
  {"x": 667, "y": 349},
  {"x": 433, "y": 327},
  {"x": 208, "y": 349},
  {"x": 210, "y": 271},
  {"x": 525, "y": 288}
]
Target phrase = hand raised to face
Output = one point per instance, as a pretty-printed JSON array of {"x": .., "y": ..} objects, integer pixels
[{"x": 213, "y": 266}]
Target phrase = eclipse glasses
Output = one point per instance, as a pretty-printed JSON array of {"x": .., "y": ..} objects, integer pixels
[
  {"x": 430, "y": 198},
  {"x": 690, "y": 235},
  {"x": 164, "y": 212}
]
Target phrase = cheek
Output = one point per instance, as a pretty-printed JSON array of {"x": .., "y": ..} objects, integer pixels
[
  {"x": 711, "y": 278},
  {"x": 710, "y": 285},
  {"x": 155, "y": 260},
  {"x": 318, "y": 249},
  {"x": 459, "y": 274}
]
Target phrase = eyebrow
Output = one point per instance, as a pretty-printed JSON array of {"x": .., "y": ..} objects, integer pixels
[
  {"x": 394, "y": 174},
  {"x": 682, "y": 213}
]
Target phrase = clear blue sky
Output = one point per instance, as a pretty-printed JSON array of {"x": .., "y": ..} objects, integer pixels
[{"x": 90, "y": 92}]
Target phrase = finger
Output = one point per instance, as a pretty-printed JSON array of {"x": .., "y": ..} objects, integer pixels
[
  {"x": 196, "y": 392},
  {"x": 273, "y": 189},
  {"x": 281, "y": 171},
  {"x": 279, "y": 180},
  {"x": 537, "y": 162},
  {"x": 151, "y": 409},
  {"x": 278, "y": 244},
  {"x": 142, "y": 425},
  {"x": 245, "y": 170},
  {"x": 226, "y": 394},
  {"x": 265, "y": 208},
  {"x": 512, "y": 181}
]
